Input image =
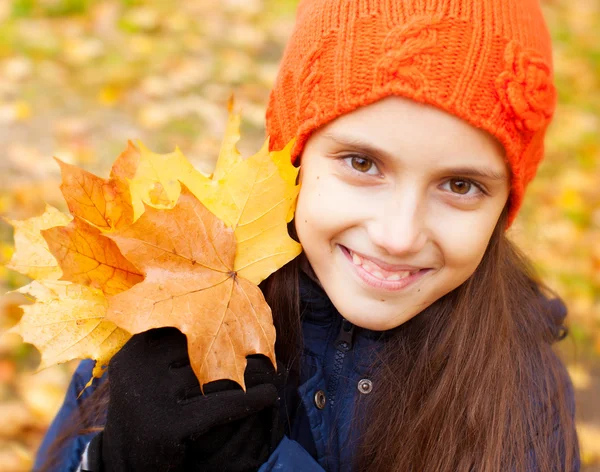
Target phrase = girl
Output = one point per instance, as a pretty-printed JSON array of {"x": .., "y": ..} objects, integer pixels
[{"x": 411, "y": 333}]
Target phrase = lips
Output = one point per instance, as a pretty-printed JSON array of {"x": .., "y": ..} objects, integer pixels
[
  {"x": 382, "y": 275},
  {"x": 381, "y": 269}
]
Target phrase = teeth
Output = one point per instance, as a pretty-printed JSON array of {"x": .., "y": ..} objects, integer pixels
[
  {"x": 368, "y": 268},
  {"x": 399, "y": 276},
  {"x": 371, "y": 269}
]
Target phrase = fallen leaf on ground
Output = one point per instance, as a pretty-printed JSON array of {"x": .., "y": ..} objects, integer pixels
[
  {"x": 14, "y": 457},
  {"x": 15, "y": 417}
]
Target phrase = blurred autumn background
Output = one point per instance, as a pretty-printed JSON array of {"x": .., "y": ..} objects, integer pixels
[{"x": 78, "y": 78}]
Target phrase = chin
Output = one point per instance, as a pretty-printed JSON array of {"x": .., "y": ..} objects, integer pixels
[
  {"x": 379, "y": 323},
  {"x": 373, "y": 326}
]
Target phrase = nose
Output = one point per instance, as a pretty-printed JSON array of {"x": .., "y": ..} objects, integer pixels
[{"x": 398, "y": 228}]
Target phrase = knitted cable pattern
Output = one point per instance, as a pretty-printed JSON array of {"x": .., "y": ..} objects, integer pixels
[{"x": 409, "y": 52}]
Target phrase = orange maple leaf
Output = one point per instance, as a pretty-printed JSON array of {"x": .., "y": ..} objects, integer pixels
[
  {"x": 187, "y": 256},
  {"x": 87, "y": 257},
  {"x": 104, "y": 203}
]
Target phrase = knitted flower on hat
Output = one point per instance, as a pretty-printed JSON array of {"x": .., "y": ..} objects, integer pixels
[{"x": 525, "y": 88}]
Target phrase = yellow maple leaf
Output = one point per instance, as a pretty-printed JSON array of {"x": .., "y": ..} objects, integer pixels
[
  {"x": 67, "y": 321},
  {"x": 157, "y": 180},
  {"x": 229, "y": 155},
  {"x": 32, "y": 256},
  {"x": 255, "y": 197}
]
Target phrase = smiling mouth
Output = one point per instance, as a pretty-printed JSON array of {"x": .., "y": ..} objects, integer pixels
[
  {"x": 379, "y": 278},
  {"x": 376, "y": 270}
]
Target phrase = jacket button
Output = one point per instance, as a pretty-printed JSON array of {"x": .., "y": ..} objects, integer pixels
[
  {"x": 320, "y": 399},
  {"x": 365, "y": 386}
]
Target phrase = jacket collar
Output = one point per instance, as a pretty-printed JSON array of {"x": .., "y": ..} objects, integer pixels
[
  {"x": 317, "y": 308},
  {"x": 315, "y": 305}
]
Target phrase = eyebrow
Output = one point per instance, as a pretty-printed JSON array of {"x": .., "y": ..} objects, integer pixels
[{"x": 368, "y": 148}]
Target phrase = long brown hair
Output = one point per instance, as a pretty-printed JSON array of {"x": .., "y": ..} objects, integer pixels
[
  {"x": 472, "y": 383},
  {"x": 469, "y": 384}
]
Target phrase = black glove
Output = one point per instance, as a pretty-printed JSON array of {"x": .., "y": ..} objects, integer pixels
[{"x": 158, "y": 419}]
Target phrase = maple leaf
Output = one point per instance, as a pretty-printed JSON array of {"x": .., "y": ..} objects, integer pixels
[
  {"x": 67, "y": 321},
  {"x": 160, "y": 244},
  {"x": 104, "y": 203},
  {"x": 157, "y": 178},
  {"x": 88, "y": 257},
  {"x": 229, "y": 155},
  {"x": 255, "y": 197},
  {"x": 32, "y": 256},
  {"x": 187, "y": 256},
  {"x": 156, "y": 182}
]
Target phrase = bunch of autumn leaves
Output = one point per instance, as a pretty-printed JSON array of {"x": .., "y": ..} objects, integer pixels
[{"x": 160, "y": 244}]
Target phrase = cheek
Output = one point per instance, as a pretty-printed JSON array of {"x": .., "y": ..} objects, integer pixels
[
  {"x": 464, "y": 241},
  {"x": 313, "y": 222},
  {"x": 323, "y": 210}
]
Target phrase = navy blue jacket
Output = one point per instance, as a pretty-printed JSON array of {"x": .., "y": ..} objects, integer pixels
[{"x": 334, "y": 373}]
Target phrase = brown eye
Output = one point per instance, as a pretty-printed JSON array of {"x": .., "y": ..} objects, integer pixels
[
  {"x": 361, "y": 164},
  {"x": 461, "y": 187}
]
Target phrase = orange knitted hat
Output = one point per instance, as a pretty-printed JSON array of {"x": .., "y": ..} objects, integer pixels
[{"x": 488, "y": 62}]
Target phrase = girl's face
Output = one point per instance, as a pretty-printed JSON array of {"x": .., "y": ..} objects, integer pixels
[{"x": 397, "y": 205}]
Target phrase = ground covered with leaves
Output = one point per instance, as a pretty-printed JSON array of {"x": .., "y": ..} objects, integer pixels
[{"x": 78, "y": 78}]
